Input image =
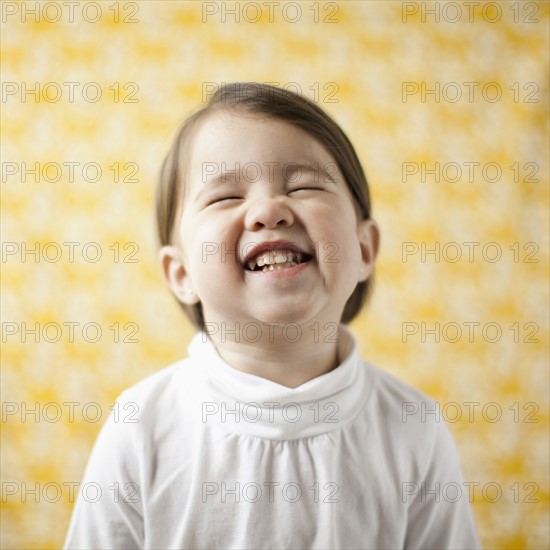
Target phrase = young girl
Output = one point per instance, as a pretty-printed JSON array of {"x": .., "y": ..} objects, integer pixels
[{"x": 273, "y": 433}]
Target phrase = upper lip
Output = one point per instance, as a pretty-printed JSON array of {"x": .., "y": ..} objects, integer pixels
[{"x": 273, "y": 245}]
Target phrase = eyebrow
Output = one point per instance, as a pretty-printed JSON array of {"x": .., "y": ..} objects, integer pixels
[{"x": 316, "y": 167}]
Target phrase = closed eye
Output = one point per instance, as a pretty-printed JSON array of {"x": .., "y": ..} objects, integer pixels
[
  {"x": 223, "y": 199},
  {"x": 307, "y": 189}
]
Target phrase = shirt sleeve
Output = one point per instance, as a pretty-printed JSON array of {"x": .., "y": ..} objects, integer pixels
[
  {"x": 439, "y": 512},
  {"x": 108, "y": 510}
]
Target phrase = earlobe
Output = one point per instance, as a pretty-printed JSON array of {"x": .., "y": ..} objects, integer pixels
[
  {"x": 368, "y": 234},
  {"x": 176, "y": 275}
]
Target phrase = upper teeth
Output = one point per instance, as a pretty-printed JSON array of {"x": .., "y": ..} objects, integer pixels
[{"x": 274, "y": 257}]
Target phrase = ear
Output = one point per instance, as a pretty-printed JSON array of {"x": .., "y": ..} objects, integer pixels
[
  {"x": 176, "y": 276},
  {"x": 368, "y": 234}
]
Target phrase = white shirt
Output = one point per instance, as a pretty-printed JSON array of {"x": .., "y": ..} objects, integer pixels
[{"x": 201, "y": 455}]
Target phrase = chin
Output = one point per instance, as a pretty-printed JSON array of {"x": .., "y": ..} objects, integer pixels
[{"x": 282, "y": 316}]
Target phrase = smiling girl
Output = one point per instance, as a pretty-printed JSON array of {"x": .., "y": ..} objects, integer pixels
[{"x": 273, "y": 432}]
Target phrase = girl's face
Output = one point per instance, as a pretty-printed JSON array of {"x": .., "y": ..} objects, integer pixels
[{"x": 253, "y": 181}]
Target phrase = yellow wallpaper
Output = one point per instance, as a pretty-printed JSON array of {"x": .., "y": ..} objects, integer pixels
[{"x": 447, "y": 105}]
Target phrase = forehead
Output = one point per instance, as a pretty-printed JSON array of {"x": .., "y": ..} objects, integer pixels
[{"x": 232, "y": 136}]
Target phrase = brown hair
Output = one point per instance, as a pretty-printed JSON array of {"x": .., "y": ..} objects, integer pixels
[{"x": 277, "y": 103}]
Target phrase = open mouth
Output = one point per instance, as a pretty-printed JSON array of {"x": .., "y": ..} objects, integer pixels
[{"x": 274, "y": 260}]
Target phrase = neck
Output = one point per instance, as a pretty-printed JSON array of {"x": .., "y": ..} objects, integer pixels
[{"x": 287, "y": 355}]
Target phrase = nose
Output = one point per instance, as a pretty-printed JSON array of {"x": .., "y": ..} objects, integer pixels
[{"x": 268, "y": 213}]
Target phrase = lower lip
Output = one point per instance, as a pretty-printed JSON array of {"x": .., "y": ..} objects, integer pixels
[{"x": 281, "y": 273}]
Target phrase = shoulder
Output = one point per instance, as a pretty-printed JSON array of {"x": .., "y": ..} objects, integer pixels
[
  {"x": 153, "y": 389},
  {"x": 158, "y": 400},
  {"x": 397, "y": 398},
  {"x": 408, "y": 421},
  {"x": 153, "y": 385}
]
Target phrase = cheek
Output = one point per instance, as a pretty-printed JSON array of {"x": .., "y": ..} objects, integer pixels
[
  {"x": 337, "y": 242},
  {"x": 212, "y": 246}
]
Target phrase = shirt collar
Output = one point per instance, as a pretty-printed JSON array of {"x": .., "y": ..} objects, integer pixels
[{"x": 249, "y": 404}]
